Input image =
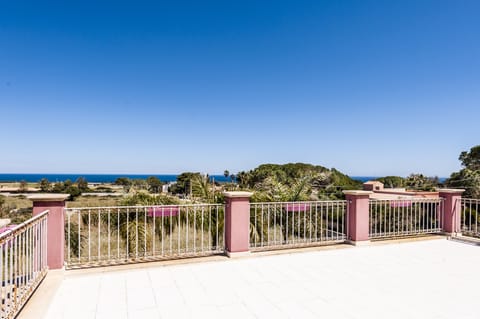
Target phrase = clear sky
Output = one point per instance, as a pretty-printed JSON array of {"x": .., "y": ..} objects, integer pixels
[{"x": 368, "y": 87}]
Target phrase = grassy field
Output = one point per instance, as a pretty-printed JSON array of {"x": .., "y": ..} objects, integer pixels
[
  {"x": 94, "y": 201},
  {"x": 19, "y": 208}
]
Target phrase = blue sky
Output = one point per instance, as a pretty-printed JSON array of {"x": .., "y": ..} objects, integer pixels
[{"x": 368, "y": 87}]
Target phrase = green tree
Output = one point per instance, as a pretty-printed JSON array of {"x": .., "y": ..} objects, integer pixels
[
  {"x": 184, "y": 183},
  {"x": 203, "y": 189},
  {"x": 45, "y": 185},
  {"x": 58, "y": 187},
  {"x": 226, "y": 173},
  {"x": 273, "y": 190},
  {"x": 2, "y": 202},
  {"x": 243, "y": 179},
  {"x": 421, "y": 183},
  {"x": 322, "y": 182},
  {"x": 467, "y": 179},
  {"x": 392, "y": 181},
  {"x": 469, "y": 176},
  {"x": 23, "y": 187},
  {"x": 74, "y": 191},
  {"x": 471, "y": 159},
  {"x": 154, "y": 184},
  {"x": 82, "y": 184},
  {"x": 142, "y": 198},
  {"x": 67, "y": 183},
  {"x": 125, "y": 182},
  {"x": 139, "y": 184}
]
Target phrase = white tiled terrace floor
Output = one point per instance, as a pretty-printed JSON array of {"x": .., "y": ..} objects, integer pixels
[{"x": 425, "y": 279}]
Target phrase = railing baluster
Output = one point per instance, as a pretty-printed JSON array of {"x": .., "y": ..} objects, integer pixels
[
  {"x": 202, "y": 211},
  {"x": 2, "y": 278},
  {"x": 178, "y": 233},
  {"x": 89, "y": 236},
  {"x": 186, "y": 230},
  {"x": 128, "y": 232},
  {"x": 109, "y": 235},
  {"x": 136, "y": 232},
  {"x": 21, "y": 269},
  {"x": 145, "y": 232},
  {"x": 170, "y": 234},
  {"x": 153, "y": 231},
  {"x": 210, "y": 228},
  {"x": 99, "y": 237},
  {"x": 476, "y": 217},
  {"x": 217, "y": 238},
  {"x": 118, "y": 233},
  {"x": 68, "y": 238},
  {"x": 79, "y": 241}
]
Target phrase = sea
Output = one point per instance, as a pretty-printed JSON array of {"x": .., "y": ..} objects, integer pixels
[
  {"x": 93, "y": 178},
  {"x": 110, "y": 178}
]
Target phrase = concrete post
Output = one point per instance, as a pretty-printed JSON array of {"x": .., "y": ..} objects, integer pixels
[
  {"x": 451, "y": 210},
  {"x": 55, "y": 203},
  {"x": 237, "y": 223},
  {"x": 358, "y": 216}
]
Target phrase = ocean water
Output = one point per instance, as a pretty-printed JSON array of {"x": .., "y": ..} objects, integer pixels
[
  {"x": 364, "y": 179},
  {"x": 110, "y": 178},
  {"x": 92, "y": 178}
]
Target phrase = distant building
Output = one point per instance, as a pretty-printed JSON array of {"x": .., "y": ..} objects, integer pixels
[
  {"x": 373, "y": 186},
  {"x": 379, "y": 192},
  {"x": 165, "y": 188}
]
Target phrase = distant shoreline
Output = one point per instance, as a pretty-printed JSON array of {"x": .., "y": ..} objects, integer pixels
[
  {"x": 110, "y": 178},
  {"x": 92, "y": 178}
]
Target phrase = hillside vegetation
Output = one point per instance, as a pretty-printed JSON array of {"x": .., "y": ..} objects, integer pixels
[{"x": 295, "y": 181}]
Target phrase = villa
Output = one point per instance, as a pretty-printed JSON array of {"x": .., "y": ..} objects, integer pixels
[{"x": 362, "y": 257}]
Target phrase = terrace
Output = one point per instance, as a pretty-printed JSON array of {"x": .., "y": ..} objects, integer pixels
[{"x": 297, "y": 259}]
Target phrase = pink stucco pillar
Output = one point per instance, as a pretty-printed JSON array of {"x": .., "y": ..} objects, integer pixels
[
  {"x": 358, "y": 216},
  {"x": 237, "y": 223},
  {"x": 451, "y": 209},
  {"x": 55, "y": 203}
]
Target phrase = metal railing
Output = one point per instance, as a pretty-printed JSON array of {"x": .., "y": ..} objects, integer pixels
[
  {"x": 470, "y": 217},
  {"x": 23, "y": 263},
  {"x": 123, "y": 234},
  {"x": 297, "y": 224},
  {"x": 405, "y": 217}
]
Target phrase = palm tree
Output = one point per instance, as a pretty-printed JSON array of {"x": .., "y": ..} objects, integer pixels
[{"x": 271, "y": 190}]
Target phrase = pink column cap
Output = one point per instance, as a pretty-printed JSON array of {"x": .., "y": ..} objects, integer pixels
[
  {"x": 48, "y": 197},
  {"x": 237, "y": 194},
  {"x": 451, "y": 190},
  {"x": 357, "y": 192}
]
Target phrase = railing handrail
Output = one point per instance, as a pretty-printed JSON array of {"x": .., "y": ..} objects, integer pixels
[
  {"x": 408, "y": 199},
  {"x": 301, "y": 202},
  {"x": 144, "y": 206},
  {"x": 470, "y": 199},
  {"x": 25, "y": 224}
]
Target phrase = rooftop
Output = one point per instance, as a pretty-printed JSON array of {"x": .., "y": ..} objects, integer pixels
[
  {"x": 381, "y": 193},
  {"x": 422, "y": 279}
]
